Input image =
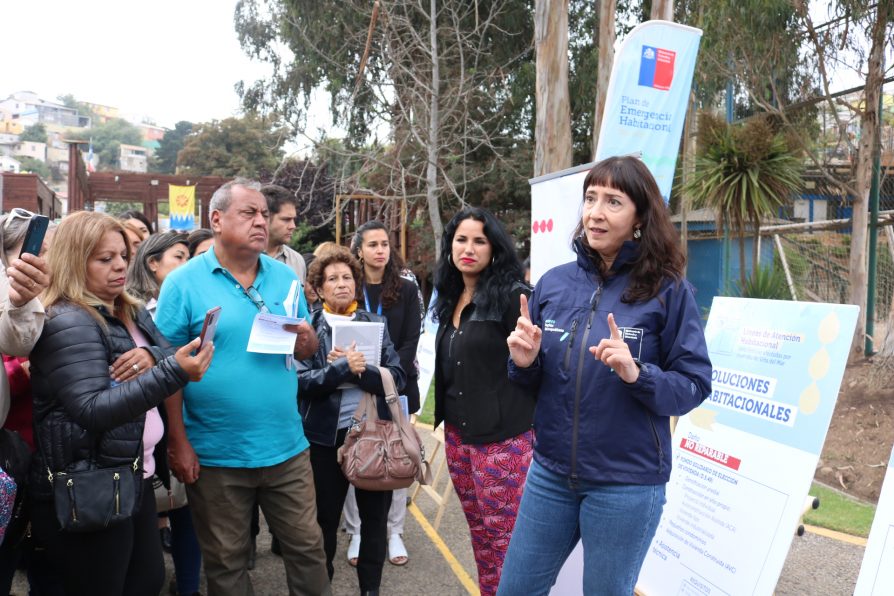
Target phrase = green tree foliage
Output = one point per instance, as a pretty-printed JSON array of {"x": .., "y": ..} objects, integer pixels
[
  {"x": 36, "y": 132},
  {"x": 427, "y": 142},
  {"x": 30, "y": 165},
  {"x": 108, "y": 138},
  {"x": 166, "y": 156},
  {"x": 744, "y": 173},
  {"x": 250, "y": 146}
]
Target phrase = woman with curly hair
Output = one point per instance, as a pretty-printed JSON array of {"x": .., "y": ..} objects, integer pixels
[{"x": 487, "y": 418}]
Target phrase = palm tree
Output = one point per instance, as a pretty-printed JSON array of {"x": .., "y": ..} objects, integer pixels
[{"x": 744, "y": 172}]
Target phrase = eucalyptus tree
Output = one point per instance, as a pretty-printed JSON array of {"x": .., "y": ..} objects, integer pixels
[{"x": 431, "y": 92}]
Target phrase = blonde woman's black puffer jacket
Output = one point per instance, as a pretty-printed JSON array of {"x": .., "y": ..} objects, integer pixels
[{"x": 79, "y": 416}]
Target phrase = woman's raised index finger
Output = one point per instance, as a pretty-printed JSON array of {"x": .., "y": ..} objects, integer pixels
[
  {"x": 613, "y": 327},
  {"x": 524, "y": 310}
]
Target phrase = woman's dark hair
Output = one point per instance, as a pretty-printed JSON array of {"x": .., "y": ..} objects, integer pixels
[
  {"x": 141, "y": 281},
  {"x": 134, "y": 214},
  {"x": 391, "y": 281},
  {"x": 336, "y": 254},
  {"x": 196, "y": 237},
  {"x": 495, "y": 281},
  {"x": 660, "y": 256}
]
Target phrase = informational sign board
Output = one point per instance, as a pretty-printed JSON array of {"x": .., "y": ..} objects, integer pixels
[
  {"x": 555, "y": 210},
  {"x": 743, "y": 461},
  {"x": 877, "y": 572}
]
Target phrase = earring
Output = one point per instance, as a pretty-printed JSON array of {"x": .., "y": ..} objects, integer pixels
[{"x": 637, "y": 233}]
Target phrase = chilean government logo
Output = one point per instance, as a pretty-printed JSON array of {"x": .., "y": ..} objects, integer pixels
[{"x": 656, "y": 68}]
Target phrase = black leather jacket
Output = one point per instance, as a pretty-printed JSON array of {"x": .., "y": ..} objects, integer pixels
[
  {"x": 493, "y": 408},
  {"x": 319, "y": 399},
  {"x": 77, "y": 413}
]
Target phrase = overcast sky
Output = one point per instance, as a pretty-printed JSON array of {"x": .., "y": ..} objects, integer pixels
[{"x": 168, "y": 60}]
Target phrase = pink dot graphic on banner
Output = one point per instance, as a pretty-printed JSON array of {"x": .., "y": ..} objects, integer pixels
[
  {"x": 535, "y": 226},
  {"x": 549, "y": 225}
]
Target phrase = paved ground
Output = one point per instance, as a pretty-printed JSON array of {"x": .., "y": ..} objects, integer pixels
[{"x": 441, "y": 563}]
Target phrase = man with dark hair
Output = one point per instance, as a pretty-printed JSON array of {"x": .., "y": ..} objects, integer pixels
[{"x": 283, "y": 208}]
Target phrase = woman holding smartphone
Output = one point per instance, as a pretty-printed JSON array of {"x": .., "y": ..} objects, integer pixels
[{"x": 99, "y": 371}]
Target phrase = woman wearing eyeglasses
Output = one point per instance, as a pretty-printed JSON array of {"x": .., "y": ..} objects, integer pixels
[
  {"x": 21, "y": 321},
  {"x": 100, "y": 369},
  {"x": 331, "y": 384}
]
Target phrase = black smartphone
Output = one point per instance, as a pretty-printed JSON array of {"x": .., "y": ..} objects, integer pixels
[
  {"x": 209, "y": 327},
  {"x": 37, "y": 229}
]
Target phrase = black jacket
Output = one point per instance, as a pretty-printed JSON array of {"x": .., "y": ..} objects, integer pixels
[
  {"x": 492, "y": 408},
  {"x": 319, "y": 399},
  {"x": 78, "y": 415}
]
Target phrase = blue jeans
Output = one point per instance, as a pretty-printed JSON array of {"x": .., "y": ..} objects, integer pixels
[
  {"x": 615, "y": 521},
  {"x": 185, "y": 551}
]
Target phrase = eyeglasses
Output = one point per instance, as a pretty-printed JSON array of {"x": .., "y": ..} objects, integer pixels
[
  {"x": 17, "y": 213},
  {"x": 255, "y": 296}
]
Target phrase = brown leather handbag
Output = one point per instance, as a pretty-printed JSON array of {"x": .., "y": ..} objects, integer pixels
[{"x": 383, "y": 454}]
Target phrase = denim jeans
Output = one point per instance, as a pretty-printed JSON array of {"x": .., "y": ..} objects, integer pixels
[{"x": 615, "y": 521}]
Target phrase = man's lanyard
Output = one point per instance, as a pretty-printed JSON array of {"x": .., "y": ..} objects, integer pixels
[{"x": 366, "y": 301}]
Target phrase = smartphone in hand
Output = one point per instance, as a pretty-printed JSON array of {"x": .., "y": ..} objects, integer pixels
[
  {"x": 37, "y": 229},
  {"x": 209, "y": 327}
]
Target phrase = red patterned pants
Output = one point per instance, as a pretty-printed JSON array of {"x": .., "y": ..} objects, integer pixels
[{"x": 489, "y": 480}]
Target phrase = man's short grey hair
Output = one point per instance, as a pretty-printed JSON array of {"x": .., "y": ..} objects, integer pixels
[{"x": 220, "y": 200}]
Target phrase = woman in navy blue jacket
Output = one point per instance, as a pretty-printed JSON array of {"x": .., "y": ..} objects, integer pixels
[{"x": 614, "y": 344}]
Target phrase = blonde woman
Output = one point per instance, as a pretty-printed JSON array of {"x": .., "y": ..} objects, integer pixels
[{"x": 99, "y": 371}]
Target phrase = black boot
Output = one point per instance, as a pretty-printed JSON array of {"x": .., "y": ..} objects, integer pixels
[{"x": 370, "y": 593}]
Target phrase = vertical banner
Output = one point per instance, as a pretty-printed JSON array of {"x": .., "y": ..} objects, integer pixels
[
  {"x": 877, "y": 571},
  {"x": 645, "y": 109},
  {"x": 743, "y": 461},
  {"x": 182, "y": 202},
  {"x": 645, "y": 106}
]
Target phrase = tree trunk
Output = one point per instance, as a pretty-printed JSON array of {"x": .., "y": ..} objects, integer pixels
[
  {"x": 662, "y": 9},
  {"x": 552, "y": 132},
  {"x": 606, "y": 43},
  {"x": 869, "y": 120},
  {"x": 431, "y": 173}
]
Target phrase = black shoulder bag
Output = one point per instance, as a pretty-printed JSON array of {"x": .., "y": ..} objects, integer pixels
[{"x": 95, "y": 498}]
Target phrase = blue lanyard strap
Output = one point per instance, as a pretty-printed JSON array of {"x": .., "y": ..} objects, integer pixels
[{"x": 366, "y": 301}]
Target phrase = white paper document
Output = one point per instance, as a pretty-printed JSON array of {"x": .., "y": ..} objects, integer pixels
[
  {"x": 269, "y": 337},
  {"x": 367, "y": 335}
]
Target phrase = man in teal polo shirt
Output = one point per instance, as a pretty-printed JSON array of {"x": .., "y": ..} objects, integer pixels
[{"x": 236, "y": 436}]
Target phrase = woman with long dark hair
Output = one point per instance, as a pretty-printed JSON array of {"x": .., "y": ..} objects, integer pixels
[
  {"x": 488, "y": 435},
  {"x": 157, "y": 256},
  {"x": 384, "y": 291},
  {"x": 614, "y": 344}
]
